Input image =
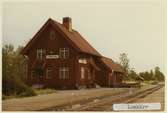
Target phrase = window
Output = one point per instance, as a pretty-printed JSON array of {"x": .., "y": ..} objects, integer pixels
[
  {"x": 40, "y": 53},
  {"x": 52, "y": 35},
  {"x": 64, "y": 53},
  {"x": 49, "y": 73},
  {"x": 82, "y": 73},
  {"x": 64, "y": 72}
]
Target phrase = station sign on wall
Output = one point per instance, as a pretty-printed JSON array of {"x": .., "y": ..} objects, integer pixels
[{"x": 52, "y": 56}]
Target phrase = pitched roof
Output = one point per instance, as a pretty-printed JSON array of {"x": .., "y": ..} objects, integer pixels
[
  {"x": 73, "y": 37},
  {"x": 112, "y": 65}
]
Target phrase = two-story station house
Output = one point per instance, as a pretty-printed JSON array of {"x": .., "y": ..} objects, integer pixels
[{"x": 59, "y": 57}]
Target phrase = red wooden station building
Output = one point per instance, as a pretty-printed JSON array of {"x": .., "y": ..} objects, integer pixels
[{"x": 59, "y": 57}]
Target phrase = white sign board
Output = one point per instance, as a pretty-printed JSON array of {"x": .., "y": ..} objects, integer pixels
[
  {"x": 82, "y": 61},
  {"x": 137, "y": 106},
  {"x": 52, "y": 56}
]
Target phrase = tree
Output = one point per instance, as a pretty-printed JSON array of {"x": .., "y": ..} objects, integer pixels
[
  {"x": 124, "y": 62},
  {"x": 145, "y": 75},
  {"x": 151, "y": 75},
  {"x": 21, "y": 63},
  {"x": 12, "y": 70},
  {"x": 132, "y": 75},
  {"x": 7, "y": 66},
  {"x": 159, "y": 76}
]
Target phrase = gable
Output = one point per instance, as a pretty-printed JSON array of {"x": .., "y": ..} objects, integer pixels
[
  {"x": 72, "y": 37},
  {"x": 50, "y": 39}
]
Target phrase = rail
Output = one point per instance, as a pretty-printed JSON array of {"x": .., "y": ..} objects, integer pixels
[{"x": 104, "y": 103}]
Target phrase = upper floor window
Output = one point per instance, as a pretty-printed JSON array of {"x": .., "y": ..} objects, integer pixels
[
  {"x": 52, "y": 35},
  {"x": 64, "y": 72},
  {"x": 40, "y": 53},
  {"x": 64, "y": 53}
]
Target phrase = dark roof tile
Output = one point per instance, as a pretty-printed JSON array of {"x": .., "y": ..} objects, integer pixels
[
  {"x": 112, "y": 65},
  {"x": 78, "y": 40}
]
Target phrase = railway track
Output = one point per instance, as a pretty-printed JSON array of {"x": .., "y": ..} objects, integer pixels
[
  {"x": 107, "y": 104},
  {"x": 104, "y": 103},
  {"x": 73, "y": 104}
]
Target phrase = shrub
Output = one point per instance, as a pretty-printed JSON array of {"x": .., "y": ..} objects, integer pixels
[
  {"x": 23, "y": 90},
  {"x": 44, "y": 91},
  {"x": 17, "y": 87},
  {"x": 27, "y": 93}
]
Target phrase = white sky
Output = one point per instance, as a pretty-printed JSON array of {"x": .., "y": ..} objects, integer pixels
[{"x": 136, "y": 28}]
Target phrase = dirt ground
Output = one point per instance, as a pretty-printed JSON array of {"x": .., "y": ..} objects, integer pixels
[
  {"x": 155, "y": 97},
  {"x": 71, "y": 96},
  {"x": 54, "y": 99}
]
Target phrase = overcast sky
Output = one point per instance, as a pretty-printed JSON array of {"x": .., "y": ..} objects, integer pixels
[{"x": 136, "y": 28}]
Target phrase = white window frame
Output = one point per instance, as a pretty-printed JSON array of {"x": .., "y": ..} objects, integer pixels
[
  {"x": 47, "y": 73},
  {"x": 64, "y": 73},
  {"x": 82, "y": 73},
  {"x": 40, "y": 53},
  {"x": 64, "y": 53}
]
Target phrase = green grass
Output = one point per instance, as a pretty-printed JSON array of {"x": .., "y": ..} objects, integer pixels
[
  {"x": 24, "y": 94},
  {"x": 44, "y": 91}
]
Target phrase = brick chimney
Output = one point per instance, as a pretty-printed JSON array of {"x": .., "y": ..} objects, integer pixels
[{"x": 67, "y": 22}]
